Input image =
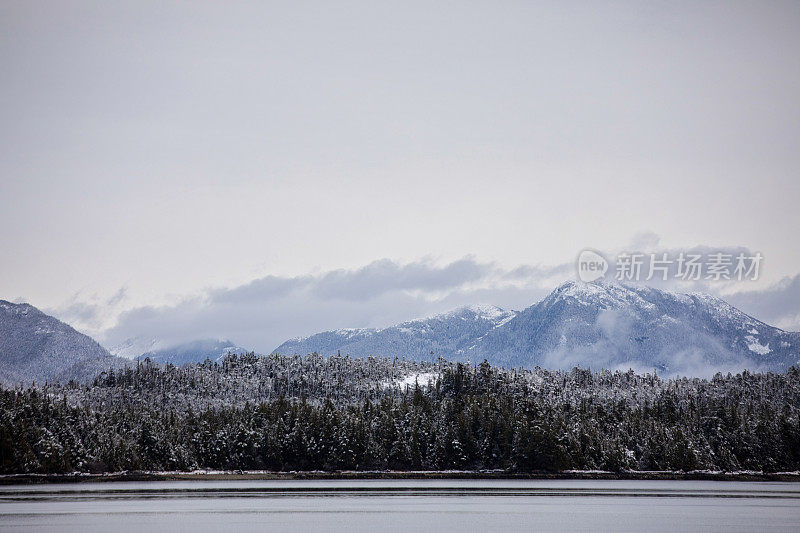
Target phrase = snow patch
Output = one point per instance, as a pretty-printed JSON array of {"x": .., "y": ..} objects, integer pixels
[
  {"x": 421, "y": 378},
  {"x": 754, "y": 346}
]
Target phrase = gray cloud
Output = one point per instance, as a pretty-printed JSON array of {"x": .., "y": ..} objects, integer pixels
[
  {"x": 380, "y": 277},
  {"x": 260, "y": 290},
  {"x": 266, "y": 311},
  {"x": 777, "y": 305},
  {"x": 90, "y": 314}
]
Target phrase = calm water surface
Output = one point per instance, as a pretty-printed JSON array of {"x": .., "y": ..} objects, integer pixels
[{"x": 402, "y": 505}]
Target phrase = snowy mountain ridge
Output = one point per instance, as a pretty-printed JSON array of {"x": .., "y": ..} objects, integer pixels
[
  {"x": 597, "y": 325},
  {"x": 448, "y": 334}
]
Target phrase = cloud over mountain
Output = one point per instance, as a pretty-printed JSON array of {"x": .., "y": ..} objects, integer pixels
[{"x": 264, "y": 312}]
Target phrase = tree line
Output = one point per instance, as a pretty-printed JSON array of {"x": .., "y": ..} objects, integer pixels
[{"x": 339, "y": 413}]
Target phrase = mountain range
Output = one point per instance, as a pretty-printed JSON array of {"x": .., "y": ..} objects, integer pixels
[
  {"x": 596, "y": 325},
  {"x": 592, "y": 325}
]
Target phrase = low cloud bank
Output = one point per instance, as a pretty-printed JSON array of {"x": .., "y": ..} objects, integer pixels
[{"x": 265, "y": 312}]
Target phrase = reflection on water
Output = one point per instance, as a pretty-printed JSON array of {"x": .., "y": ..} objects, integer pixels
[{"x": 367, "y": 505}]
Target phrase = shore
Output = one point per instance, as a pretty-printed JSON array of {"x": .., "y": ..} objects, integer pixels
[{"x": 14, "y": 479}]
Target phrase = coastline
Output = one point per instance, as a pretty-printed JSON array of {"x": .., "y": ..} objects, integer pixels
[{"x": 222, "y": 475}]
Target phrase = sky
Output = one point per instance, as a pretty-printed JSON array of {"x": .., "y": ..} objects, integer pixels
[{"x": 261, "y": 170}]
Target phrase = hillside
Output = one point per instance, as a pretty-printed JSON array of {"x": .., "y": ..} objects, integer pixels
[{"x": 37, "y": 347}]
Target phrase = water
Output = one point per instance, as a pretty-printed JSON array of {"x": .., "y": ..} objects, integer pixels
[{"x": 402, "y": 505}]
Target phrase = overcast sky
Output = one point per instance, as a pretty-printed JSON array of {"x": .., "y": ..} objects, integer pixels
[{"x": 163, "y": 160}]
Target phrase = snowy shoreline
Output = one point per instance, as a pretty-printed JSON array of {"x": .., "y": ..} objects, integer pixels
[{"x": 709, "y": 475}]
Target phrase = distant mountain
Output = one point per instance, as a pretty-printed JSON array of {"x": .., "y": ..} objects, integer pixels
[
  {"x": 134, "y": 347},
  {"x": 177, "y": 354},
  {"x": 609, "y": 325},
  {"x": 37, "y": 347},
  {"x": 450, "y": 335},
  {"x": 597, "y": 325}
]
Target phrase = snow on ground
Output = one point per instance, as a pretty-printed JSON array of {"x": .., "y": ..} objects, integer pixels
[{"x": 421, "y": 378}]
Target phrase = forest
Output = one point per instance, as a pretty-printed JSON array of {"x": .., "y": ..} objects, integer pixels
[{"x": 298, "y": 413}]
